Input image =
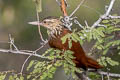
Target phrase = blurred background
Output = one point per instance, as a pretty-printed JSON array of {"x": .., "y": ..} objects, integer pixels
[{"x": 14, "y": 18}]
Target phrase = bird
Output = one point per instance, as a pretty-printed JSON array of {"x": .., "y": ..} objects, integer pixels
[{"x": 57, "y": 30}]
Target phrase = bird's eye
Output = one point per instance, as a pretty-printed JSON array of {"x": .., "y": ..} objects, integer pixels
[{"x": 44, "y": 21}]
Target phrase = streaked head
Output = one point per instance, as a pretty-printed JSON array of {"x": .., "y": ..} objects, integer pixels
[{"x": 49, "y": 23}]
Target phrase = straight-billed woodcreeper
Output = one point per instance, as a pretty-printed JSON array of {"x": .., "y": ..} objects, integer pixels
[{"x": 56, "y": 31}]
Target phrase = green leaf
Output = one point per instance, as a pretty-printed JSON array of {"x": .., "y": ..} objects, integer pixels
[
  {"x": 30, "y": 64},
  {"x": 11, "y": 77},
  {"x": 38, "y": 64},
  {"x": 29, "y": 76},
  {"x": 75, "y": 37},
  {"x": 112, "y": 62},
  {"x": 58, "y": 63},
  {"x": 64, "y": 38},
  {"x": 49, "y": 66},
  {"x": 21, "y": 78},
  {"x": 99, "y": 47},
  {"x": 89, "y": 36},
  {"x": 105, "y": 21},
  {"x": 17, "y": 78},
  {"x": 105, "y": 51},
  {"x": 2, "y": 77},
  {"x": 100, "y": 31},
  {"x": 69, "y": 43},
  {"x": 103, "y": 61},
  {"x": 50, "y": 50}
]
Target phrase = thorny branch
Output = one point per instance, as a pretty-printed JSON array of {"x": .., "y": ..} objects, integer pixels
[
  {"x": 104, "y": 16},
  {"x": 12, "y": 43},
  {"x": 21, "y": 53},
  {"x": 68, "y": 19},
  {"x": 110, "y": 74},
  {"x": 77, "y": 8},
  {"x": 39, "y": 27}
]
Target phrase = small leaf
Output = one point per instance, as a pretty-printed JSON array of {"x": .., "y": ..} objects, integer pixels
[
  {"x": 105, "y": 51},
  {"x": 11, "y": 77},
  {"x": 30, "y": 64},
  {"x": 28, "y": 77},
  {"x": 49, "y": 66},
  {"x": 103, "y": 61},
  {"x": 21, "y": 78},
  {"x": 111, "y": 62},
  {"x": 105, "y": 21},
  {"x": 75, "y": 37},
  {"x": 64, "y": 38},
  {"x": 2, "y": 77},
  {"x": 70, "y": 43}
]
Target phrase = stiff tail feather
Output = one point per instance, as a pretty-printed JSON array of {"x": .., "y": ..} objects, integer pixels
[{"x": 93, "y": 64}]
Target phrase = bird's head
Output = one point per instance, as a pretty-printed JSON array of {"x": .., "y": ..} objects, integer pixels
[{"x": 50, "y": 23}]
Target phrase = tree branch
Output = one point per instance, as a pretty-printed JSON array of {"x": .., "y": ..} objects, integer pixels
[
  {"x": 21, "y": 53},
  {"x": 41, "y": 37},
  {"x": 77, "y": 8},
  {"x": 63, "y": 8},
  {"x": 110, "y": 74},
  {"x": 104, "y": 15},
  {"x": 25, "y": 63}
]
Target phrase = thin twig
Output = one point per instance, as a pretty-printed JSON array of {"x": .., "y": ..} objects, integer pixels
[
  {"x": 102, "y": 76},
  {"x": 77, "y": 8},
  {"x": 29, "y": 51},
  {"x": 77, "y": 22},
  {"x": 12, "y": 43},
  {"x": 113, "y": 17},
  {"x": 110, "y": 7},
  {"x": 102, "y": 25},
  {"x": 41, "y": 37},
  {"x": 91, "y": 9},
  {"x": 24, "y": 63},
  {"x": 41, "y": 46},
  {"x": 5, "y": 72},
  {"x": 86, "y": 23},
  {"x": 104, "y": 15},
  {"x": 110, "y": 74},
  {"x": 21, "y": 53},
  {"x": 58, "y": 2}
]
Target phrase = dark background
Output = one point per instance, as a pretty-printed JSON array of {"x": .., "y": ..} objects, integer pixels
[{"x": 14, "y": 18}]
